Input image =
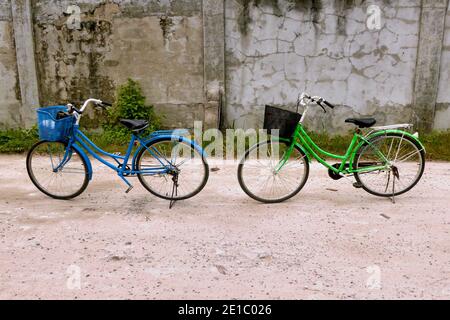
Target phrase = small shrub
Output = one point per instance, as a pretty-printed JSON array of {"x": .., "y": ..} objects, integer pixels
[
  {"x": 130, "y": 104},
  {"x": 437, "y": 145}
]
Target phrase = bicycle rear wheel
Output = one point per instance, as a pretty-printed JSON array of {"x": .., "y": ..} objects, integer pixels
[
  {"x": 58, "y": 180},
  {"x": 188, "y": 175},
  {"x": 260, "y": 179},
  {"x": 405, "y": 166}
]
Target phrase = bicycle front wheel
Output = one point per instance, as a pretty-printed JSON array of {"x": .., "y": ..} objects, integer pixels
[
  {"x": 172, "y": 169},
  {"x": 263, "y": 177},
  {"x": 53, "y": 177},
  {"x": 404, "y": 161}
]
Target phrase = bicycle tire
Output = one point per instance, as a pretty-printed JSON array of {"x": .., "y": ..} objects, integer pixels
[
  {"x": 38, "y": 185},
  {"x": 420, "y": 151},
  {"x": 144, "y": 183},
  {"x": 265, "y": 200}
]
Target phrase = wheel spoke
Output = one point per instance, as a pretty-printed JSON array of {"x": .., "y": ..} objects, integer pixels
[
  {"x": 260, "y": 180},
  {"x": 191, "y": 169},
  {"x": 406, "y": 157},
  {"x": 70, "y": 180}
]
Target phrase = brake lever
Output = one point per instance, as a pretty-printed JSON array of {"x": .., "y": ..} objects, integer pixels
[
  {"x": 100, "y": 106},
  {"x": 319, "y": 101},
  {"x": 323, "y": 108},
  {"x": 103, "y": 105},
  {"x": 73, "y": 109}
]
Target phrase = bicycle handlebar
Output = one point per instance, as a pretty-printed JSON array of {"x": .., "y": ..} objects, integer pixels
[
  {"x": 328, "y": 104},
  {"x": 97, "y": 102},
  {"x": 79, "y": 112},
  {"x": 304, "y": 99}
]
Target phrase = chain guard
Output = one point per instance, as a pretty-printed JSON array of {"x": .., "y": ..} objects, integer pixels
[{"x": 333, "y": 175}]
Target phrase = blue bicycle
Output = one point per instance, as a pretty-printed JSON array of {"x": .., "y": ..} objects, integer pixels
[{"x": 167, "y": 163}]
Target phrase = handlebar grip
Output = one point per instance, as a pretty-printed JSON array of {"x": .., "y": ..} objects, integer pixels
[
  {"x": 107, "y": 104},
  {"x": 328, "y": 104}
]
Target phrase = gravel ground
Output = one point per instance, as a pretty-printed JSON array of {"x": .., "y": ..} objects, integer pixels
[{"x": 330, "y": 241}]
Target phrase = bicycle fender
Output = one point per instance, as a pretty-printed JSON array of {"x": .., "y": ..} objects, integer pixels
[
  {"x": 83, "y": 155},
  {"x": 173, "y": 138},
  {"x": 382, "y": 133}
]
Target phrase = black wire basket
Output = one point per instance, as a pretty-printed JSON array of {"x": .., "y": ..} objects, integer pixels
[{"x": 279, "y": 119}]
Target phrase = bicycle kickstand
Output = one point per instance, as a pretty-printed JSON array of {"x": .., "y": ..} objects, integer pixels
[
  {"x": 174, "y": 191},
  {"x": 393, "y": 189},
  {"x": 395, "y": 175}
]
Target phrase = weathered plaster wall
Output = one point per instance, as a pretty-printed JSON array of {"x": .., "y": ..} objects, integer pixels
[
  {"x": 442, "y": 115},
  {"x": 9, "y": 90},
  {"x": 188, "y": 54},
  {"x": 158, "y": 43},
  {"x": 322, "y": 47}
]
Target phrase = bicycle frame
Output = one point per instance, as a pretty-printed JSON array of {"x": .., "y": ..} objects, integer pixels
[
  {"x": 304, "y": 142},
  {"x": 120, "y": 164}
]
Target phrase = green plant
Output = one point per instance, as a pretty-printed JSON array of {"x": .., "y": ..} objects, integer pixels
[
  {"x": 18, "y": 140},
  {"x": 437, "y": 145},
  {"x": 130, "y": 104}
]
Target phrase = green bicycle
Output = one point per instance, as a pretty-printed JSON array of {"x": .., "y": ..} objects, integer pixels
[{"x": 386, "y": 161}]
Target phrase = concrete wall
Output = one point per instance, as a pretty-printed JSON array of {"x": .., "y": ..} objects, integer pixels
[
  {"x": 158, "y": 43},
  {"x": 442, "y": 115},
  {"x": 324, "y": 48},
  {"x": 203, "y": 59},
  {"x": 10, "y": 105}
]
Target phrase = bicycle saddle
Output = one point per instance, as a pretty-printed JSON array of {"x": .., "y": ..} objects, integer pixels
[
  {"x": 362, "y": 122},
  {"x": 134, "y": 125}
]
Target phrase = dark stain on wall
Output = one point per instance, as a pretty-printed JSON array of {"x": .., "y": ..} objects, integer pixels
[
  {"x": 69, "y": 61},
  {"x": 314, "y": 7},
  {"x": 166, "y": 24}
]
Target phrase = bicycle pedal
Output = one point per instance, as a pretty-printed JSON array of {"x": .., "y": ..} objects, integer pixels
[
  {"x": 357, "y": 185},
  {"x": 129, "y": 189}
]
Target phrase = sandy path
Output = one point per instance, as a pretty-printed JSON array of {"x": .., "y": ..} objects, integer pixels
[{"x": 221, "y": 244}]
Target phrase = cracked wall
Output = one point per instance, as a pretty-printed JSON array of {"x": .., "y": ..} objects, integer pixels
[
  {"x": 274, "y": 50},
  {"x": 158, "y": 43},
  {"x": 9, "y": 89},
  {"x": 324, "y": 48},
  {"x": 442, "y": 114}
]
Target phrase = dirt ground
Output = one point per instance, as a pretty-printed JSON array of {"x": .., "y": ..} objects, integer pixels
[{"x": 330, "y": 241}]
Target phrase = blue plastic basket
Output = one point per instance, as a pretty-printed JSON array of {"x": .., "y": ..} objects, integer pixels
[{"x": 50, "y": 128}]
